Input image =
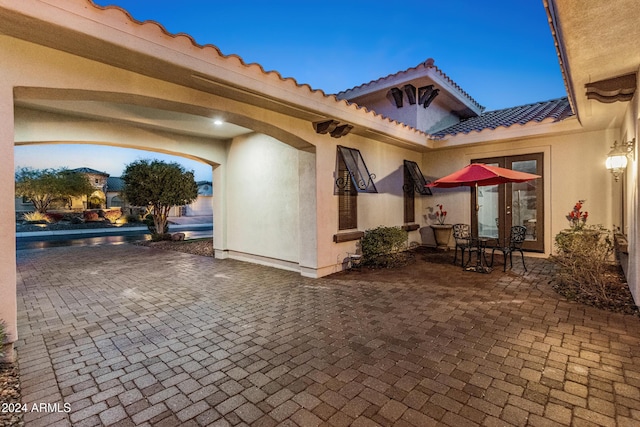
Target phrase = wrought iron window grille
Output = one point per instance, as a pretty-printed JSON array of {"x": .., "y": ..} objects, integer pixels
[
  {"x": 357, "y": 172},
  {"x": 418, "y": 181}
]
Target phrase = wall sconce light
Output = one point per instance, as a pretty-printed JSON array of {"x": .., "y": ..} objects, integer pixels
[{"x": 617, "y": 157}]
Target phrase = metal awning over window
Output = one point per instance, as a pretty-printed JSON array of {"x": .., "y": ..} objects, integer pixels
[
  {"x": 419, "y": 183},
  {"x": 358, "y": 172}
]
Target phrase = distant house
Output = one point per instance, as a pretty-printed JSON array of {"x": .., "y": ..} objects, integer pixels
[
  {"x": 203, "y": 205},
  {"x": 115, "y": 184},
  {"x": 97, "y": 199},
  {"x": 107, "y": 194}
]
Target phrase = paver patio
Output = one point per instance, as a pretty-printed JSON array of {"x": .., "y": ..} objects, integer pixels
[{"x": 129, "y": 335}]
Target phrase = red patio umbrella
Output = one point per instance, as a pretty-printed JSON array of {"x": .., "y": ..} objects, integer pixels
[{"x": 479, "y": 174}]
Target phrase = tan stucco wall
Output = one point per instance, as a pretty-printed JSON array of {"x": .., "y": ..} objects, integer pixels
[
  {"x": 629, "y": 185},
  {"x": 573, "y": 170},
  {"x": 382, "y": 209},
  {"x": 8, "y": 308},
  {"x": 262, "y": 199},
  {"x": 49, "y": 74}
]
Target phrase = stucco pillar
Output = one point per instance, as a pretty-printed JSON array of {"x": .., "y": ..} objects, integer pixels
[
  {"x": 307, "y": 197},
  {"x": 220, "y": 248},
  {"x": 8, "y": 305}
]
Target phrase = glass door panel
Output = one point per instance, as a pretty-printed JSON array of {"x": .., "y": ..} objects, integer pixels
[
  {"x": 489, "y": 212},
  {"x": 503, "y": 206},
  {"x": 524, "y": 200}
]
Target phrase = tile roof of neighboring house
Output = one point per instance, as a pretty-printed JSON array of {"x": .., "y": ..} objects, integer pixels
[
  {"x": 89, "y": 170},
  {"x": 428, "y": 64},
  {"x": 115, "y": 183},
  {"x": 555, "y": 110}
]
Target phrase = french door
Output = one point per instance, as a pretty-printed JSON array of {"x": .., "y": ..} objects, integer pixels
[{"x": 503, "y": 206}]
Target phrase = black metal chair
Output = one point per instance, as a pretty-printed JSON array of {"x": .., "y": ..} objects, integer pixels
[
  {"x": 516, "y": 239},
  {"x": 462, "y": 236}
]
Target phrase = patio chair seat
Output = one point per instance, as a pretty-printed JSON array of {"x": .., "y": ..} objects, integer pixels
[{"x": 515, "y": 242}]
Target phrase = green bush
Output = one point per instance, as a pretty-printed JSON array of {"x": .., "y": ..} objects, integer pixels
[
  {"x": 384, "y": 246},
  {"x": 584, "y": 260},
  {"x": 133, "y": 218}
]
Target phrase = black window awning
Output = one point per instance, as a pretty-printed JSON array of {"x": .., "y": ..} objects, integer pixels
[
  {"x": 418, "y": 180},
  {"x": 359, "y": 174}
]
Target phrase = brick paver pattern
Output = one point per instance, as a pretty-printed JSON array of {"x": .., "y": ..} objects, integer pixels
[{"x": 128, "y": 335}]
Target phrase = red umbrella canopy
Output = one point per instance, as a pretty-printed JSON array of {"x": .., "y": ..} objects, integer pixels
[{"x": 481, "y": 174}]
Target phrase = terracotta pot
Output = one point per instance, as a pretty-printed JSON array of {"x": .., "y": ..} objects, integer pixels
[{"x": 442, "y": 234}]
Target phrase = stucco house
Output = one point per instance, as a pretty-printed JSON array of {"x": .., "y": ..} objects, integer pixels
[{"x": 299, "y": 174}]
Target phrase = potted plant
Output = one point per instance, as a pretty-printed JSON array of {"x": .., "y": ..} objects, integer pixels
[{"x": 441, "y": 230}]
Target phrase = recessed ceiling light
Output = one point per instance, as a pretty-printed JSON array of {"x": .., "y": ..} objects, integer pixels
[{"x": 218, "y": 122}]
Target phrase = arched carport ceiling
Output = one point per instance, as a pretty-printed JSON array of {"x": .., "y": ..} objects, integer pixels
[
  {"x": 120, "y": 145},
  {"x": 152, "y": 112}
]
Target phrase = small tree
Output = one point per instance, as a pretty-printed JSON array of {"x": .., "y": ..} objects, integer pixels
[
  {"x": 42, "y": 186},
  {"x": 158, "y": 186}
]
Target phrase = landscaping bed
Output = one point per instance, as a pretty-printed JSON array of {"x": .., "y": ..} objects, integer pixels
[
  {"x": 25, "y": 227},
  {"x": 10, "y": 394}
]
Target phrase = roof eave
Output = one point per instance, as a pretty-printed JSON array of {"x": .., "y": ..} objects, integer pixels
[
  {"x": 545, "y": 128},
  {"x": 556, "y": 33},
  {"x": 148, "y": 49}
]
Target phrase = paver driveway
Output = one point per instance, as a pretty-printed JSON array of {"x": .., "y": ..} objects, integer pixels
[{"x": 129, "y": 335}]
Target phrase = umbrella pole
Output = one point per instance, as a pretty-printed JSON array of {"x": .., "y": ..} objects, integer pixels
[{"x": 477, "y": 210}]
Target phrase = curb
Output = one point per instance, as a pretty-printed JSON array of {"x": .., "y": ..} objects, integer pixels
[{"x": 172, "y": 227}]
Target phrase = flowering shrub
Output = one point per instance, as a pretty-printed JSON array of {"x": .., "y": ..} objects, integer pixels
[
  {"x": 441, "y": 215},
  {"x": 576, "y": 217},
  {"x": 91, "y": 216},
  {"x": 113, "y": 215}
]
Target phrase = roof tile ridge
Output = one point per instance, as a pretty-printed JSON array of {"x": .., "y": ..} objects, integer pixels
[{"x": 429, "y": 63}]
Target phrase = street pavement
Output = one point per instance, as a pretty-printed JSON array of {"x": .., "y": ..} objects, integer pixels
[{"x": 136, "y": 336}]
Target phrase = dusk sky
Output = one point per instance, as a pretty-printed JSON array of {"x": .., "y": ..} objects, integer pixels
[{"x": 500, "y": 52}]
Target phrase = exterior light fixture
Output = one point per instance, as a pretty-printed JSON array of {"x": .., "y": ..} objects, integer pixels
[{"x": 618, "y": 156}]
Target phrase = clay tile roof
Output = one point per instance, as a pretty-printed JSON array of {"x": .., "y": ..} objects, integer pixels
[
  {"x": 181, "y": 37},
  {"x": 426, "y": 65},
  {"x": 555, "y": 109}
]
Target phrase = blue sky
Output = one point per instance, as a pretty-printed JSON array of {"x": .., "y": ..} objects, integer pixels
[{"x": 501, "y": 52}]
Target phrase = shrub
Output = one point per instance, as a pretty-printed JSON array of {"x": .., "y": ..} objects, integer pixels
[
  {"x": 133, "y": 218},
  {"x": 54, "y": 217},
  {"x": 112, "y": 215},
  {"x": 35, "y": 217},
  {"x": 76, "y": 220},
  {"x": 384, "y": 247},
  {"x": 584, "y": 259},
  {"x": 91, "y": 216}
]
